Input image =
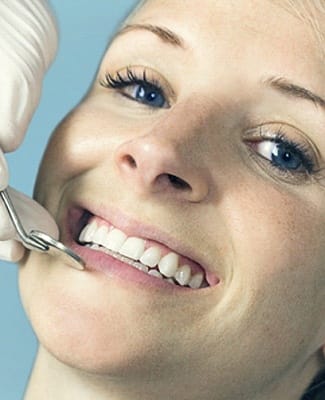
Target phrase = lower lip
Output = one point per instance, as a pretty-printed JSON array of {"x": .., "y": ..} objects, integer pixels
[{"x": 113, "y": 268}]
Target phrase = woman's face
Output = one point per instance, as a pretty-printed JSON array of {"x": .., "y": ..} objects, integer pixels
[{"x": 204, "y": 135}]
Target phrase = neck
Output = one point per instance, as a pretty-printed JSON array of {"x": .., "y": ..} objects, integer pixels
[{"x": 54, "y": 380}]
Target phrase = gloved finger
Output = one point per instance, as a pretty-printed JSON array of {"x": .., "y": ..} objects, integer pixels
[
  {"x": 28, "y": 44},
  {"x": 16, "y": 105},
  {"x": 32, "y": 215},
  {"x": 11, "y": 250},
  {"x": 4, "y": 174}
]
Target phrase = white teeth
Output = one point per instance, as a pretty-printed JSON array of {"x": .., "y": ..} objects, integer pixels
[
  {"x": 196, "y": 281},
  {"x": 83, "y": 234},
  {"x": 141, "y": 267},
  {"x": 115, "y": 240},
  {"x": 183, "y": 275},
  {"x": 100, "y": 235},
  {"x": 94, "y": 246},
  {"x": 88, "y": 232},
  {"x": 151, "y": 257},
  {"x": 132, "y": 248},
  {"x": 154, "y": 272},
  {"x": 132, "y": 251},
  {"x": 168, "y": 265}
]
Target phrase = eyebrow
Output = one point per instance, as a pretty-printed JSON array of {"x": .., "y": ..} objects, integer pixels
[
  {"x": 279, "y": 83},
  {"x": 164, "y": 34},
  {"x": 285, "y": 86}
]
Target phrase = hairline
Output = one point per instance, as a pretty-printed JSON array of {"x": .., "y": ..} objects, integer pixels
[{"x": 307, "y": 11}]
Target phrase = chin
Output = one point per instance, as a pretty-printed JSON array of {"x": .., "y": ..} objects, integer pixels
[{"x": 90, "y": 323}]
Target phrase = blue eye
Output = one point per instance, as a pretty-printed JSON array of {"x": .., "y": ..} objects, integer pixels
[
  {"x": 146, "y": 93},
  {"x": 285, "y": 155},
  {"x": 137, "y": 88}
]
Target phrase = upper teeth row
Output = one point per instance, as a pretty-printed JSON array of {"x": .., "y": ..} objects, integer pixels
[{"x": 133, "y": 247}]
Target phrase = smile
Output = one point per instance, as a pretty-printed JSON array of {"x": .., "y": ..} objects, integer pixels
[{"x": 145, "y": 255}]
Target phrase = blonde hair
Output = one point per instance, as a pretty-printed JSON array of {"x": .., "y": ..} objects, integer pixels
[
  {"x": 134, "y": 11},
  {"x": 311, "y": 12}
]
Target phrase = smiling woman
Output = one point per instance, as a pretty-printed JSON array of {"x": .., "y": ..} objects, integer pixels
[{"x": 193, "y": 186}]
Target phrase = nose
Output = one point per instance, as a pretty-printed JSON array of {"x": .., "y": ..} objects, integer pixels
[{"x": 163, "y": 164}]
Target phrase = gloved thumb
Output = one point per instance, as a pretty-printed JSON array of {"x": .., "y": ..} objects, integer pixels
[
  {"x": 32, "y": 215},
  {"x": 11, "y": 250},
  {"x": 4, "y": 174}
]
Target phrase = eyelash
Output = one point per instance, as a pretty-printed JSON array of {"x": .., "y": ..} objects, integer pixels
[
  {"x": 133, "y": 77},
  {"x": 301, "y": 150}
]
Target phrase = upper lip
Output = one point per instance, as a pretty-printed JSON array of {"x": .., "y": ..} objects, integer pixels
[{"x": 133, "y": 227}]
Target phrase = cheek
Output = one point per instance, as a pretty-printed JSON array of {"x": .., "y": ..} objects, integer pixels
[
  {"x": 86, "y": 133},
  {"x": 278, "y": 242},
  {"x": 81, "y": 324},
  {"x": 276, "y": 229},
  {"x": 274, "y": 284},
  {"x": 79, "y": 144},
  {"x": 101, "y": 326},
  {"x": 74, "y": 142}
]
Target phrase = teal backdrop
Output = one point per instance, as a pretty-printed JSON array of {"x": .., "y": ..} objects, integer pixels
[{"x": 85, "y": 28}]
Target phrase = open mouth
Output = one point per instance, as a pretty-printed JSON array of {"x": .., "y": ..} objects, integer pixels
[{"x": 147, "y": 256}]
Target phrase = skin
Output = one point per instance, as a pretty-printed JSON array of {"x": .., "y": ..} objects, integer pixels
[{"x": 259, "y": 334}]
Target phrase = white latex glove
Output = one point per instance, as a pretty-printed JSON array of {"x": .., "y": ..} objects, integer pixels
[{"x": 28, "y": 44}]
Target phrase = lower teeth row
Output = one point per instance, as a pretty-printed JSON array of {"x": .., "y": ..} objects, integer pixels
[{"x": 153, "y": 272}]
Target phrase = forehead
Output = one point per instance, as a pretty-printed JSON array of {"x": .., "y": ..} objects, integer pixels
[
  {"x": 273, "y": 32},
  {"x": 306, "y": 16}
]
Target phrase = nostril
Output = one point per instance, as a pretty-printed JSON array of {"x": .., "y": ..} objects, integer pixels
[
  {"x": 129, "y": 161},
  {"x": 178, "y": 183}
]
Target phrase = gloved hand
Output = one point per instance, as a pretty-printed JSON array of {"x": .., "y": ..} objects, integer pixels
[{"x": 28, "y": 44}]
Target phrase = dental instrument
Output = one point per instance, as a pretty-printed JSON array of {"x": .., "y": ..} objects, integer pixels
[{"x": 40, "y": 241}]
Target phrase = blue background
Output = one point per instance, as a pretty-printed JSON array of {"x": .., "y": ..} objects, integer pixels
[{"x": 85, "y": 28}]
